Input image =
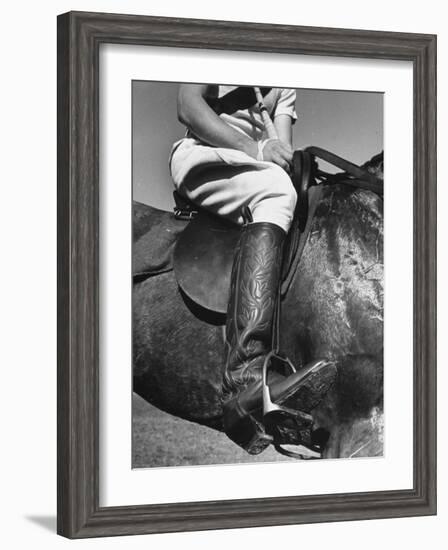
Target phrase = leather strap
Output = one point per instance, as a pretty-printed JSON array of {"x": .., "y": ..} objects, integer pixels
[
  {"x": 363, "y": 178},
  {"x": 315, "y": 193}
]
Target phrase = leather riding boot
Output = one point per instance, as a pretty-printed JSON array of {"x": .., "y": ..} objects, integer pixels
[{"x": 254, "y": 295}]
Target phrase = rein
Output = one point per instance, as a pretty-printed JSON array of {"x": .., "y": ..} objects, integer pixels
[{"x": 352, "y": 174}]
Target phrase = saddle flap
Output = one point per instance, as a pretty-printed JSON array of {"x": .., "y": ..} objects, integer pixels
[{"x": 203, "y": 258}]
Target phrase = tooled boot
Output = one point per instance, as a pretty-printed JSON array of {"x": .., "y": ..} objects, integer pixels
[{"x": 254, "y": 292}]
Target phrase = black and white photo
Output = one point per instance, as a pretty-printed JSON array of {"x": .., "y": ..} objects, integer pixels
[{"x": 257, "y": 274}]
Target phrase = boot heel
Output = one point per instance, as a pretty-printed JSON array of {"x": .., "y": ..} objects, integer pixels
[
  {"x": 244, "y": 430},
  {"x": 260, "y": 441}
]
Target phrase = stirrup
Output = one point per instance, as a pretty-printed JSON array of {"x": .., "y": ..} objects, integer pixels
[
  {"x": 272, "y": 410},
  {"x": 268, "y": 405}
]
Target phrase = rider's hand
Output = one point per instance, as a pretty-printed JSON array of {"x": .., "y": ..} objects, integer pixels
[{"x": 279, "y": 153}]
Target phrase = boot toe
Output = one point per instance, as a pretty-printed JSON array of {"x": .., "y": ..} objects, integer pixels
[{"x": 310, "y": 388}]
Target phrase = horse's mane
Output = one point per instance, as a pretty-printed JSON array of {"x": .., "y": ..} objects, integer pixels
[{"x": 375, "y": 165}]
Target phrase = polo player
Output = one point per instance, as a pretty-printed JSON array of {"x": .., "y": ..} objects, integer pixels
[{"x": 226, "y": 165}]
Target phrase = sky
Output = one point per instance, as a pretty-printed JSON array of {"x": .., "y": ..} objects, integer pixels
[{"x": 347, "y": 123}]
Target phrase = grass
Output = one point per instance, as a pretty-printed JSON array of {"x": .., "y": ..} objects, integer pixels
[{"x": 160, "y": 439}]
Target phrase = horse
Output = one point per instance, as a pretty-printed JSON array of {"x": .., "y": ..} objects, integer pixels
[{"x": 333, "y": 309}]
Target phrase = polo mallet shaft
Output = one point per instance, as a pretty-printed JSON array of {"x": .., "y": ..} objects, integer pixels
[{"x": 268, "y": 124}]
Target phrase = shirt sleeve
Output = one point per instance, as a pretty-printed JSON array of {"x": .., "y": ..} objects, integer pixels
[{"x": 286, "y": 104}]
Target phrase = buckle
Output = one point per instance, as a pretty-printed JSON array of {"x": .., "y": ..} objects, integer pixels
[{"x": 184, "y": 214}]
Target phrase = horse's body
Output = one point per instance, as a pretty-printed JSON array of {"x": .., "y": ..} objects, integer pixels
[{"x": 333, "y": 309}]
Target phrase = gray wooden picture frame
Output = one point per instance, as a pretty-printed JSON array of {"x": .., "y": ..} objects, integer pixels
[{"x": 79, "y": 38}]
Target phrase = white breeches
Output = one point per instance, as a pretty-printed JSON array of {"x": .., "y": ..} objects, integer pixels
[{"x": 225, "y": 189}]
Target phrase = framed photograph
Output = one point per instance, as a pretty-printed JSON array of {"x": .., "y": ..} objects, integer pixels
[{"x": 246, "y": 274}]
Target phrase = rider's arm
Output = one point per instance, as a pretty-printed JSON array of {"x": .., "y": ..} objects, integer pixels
[
  {"x": 283, "y": 125},
  {"x": 285, "y": 115},
  {"x": 195, "y": 113}
]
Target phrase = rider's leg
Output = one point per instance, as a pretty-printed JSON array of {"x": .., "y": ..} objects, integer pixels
[
  {"x": 226, "y": 189},
  {"x": 254, "y": 294}
]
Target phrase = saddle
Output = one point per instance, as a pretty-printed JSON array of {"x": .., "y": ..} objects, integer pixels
[{"x": 204, "y": 252}]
